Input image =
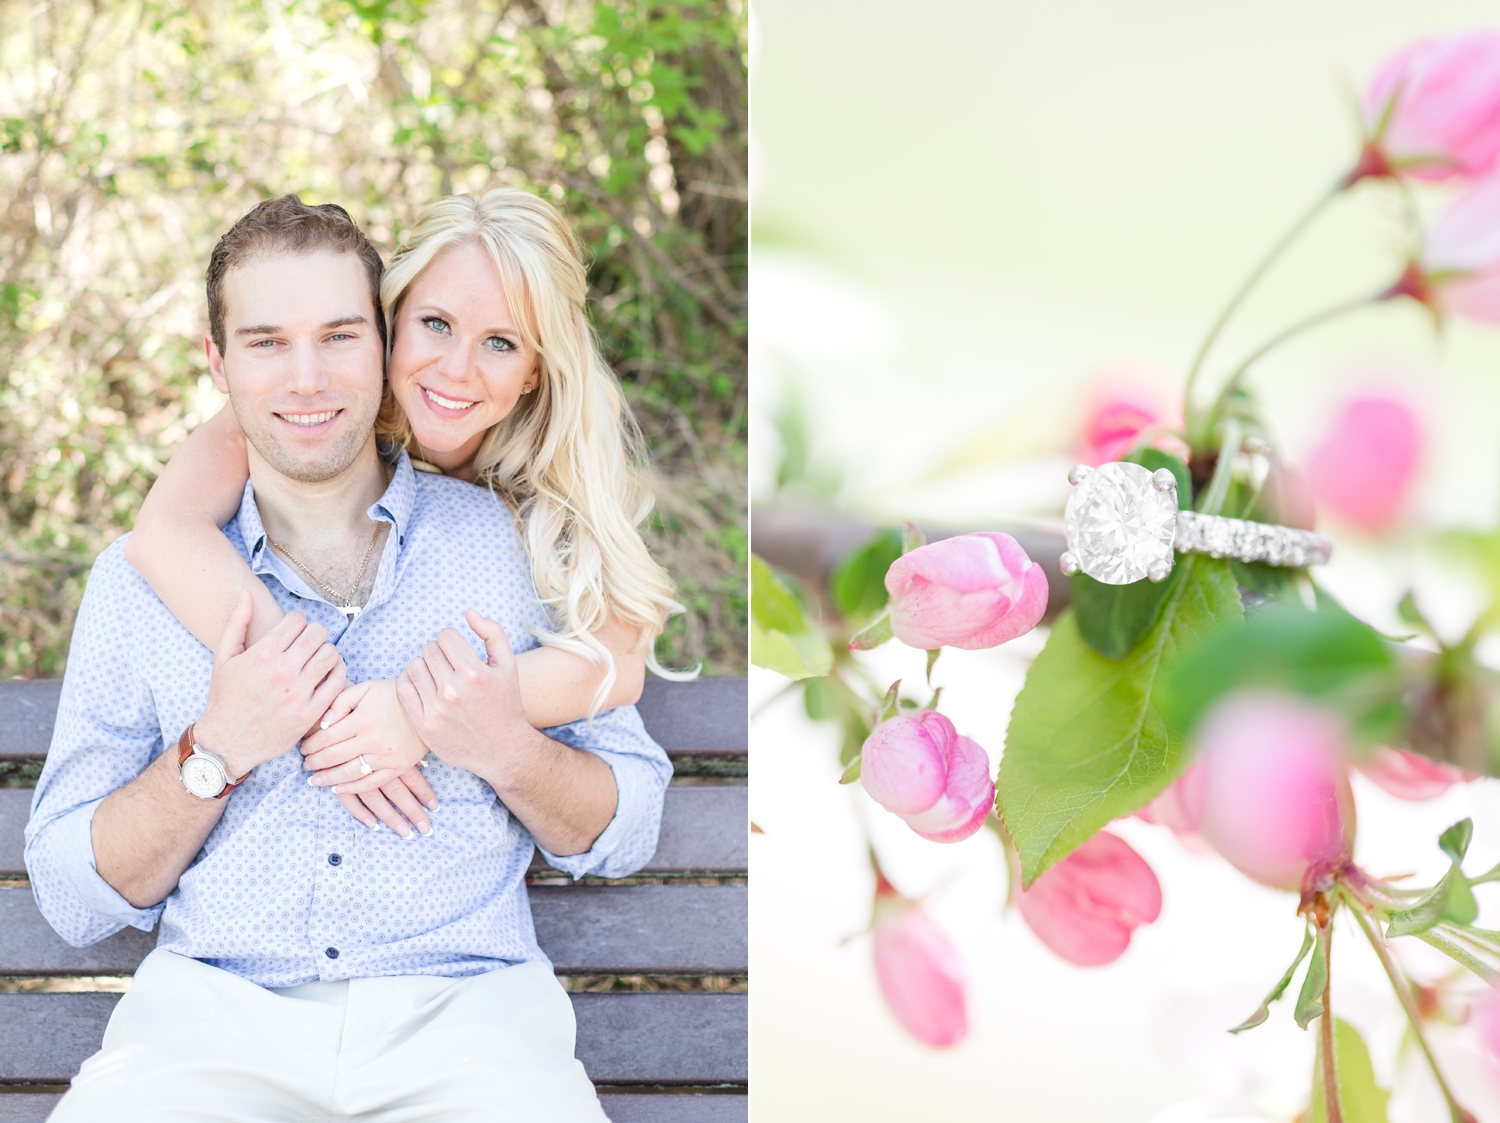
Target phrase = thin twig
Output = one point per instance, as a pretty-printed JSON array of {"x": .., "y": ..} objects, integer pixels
[{"x": 1332, "y": 1108}]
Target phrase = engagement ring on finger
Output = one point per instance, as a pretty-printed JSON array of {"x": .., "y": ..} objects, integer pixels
[
  {"x": 1123, "y": 525},
  {"x": 364, "y": 765}
]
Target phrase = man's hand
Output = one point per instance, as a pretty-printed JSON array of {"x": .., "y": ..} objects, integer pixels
[
  {"x": 262, "y": 699},
  {"x": 463, "y": 709},
  {"x": 367, "y": 720}
]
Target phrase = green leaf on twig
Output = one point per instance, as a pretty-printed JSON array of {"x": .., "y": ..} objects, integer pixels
[
  {"x": 1360, "y": 1098},
  {"x": 1310, "y": 998},
  {"x": 1451, "y": 899},
  {"x": 782, "y": 639},
  {"x": 1086, "y": 743},
  {"x": 1454, "y": 841},
  {"x": 857, "y": 586},
  {"x": 873, "y": 634},
  {"x": 1264, "y": 1010}
]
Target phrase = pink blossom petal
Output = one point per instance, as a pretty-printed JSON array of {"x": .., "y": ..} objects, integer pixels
[
  {"x": 920, "y": 975},
  {"x": 1086, "y": 906},
  {"x": 972, "y": 591},
  {"x": 904, "y": 765},
  {"x": 1409, "y": 776},
  {"x": 1364, "y": 468}
]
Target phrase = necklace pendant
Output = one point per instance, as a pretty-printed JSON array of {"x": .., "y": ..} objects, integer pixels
[{"x": 350, "y": 611}]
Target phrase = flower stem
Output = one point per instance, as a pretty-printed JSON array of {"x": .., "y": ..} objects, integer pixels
[
  {"x": 1333, "y": 1110},
  {"x": 1332, "y": 312},
  {"x": 1244, "y": 291},
  {"x": 1408, "y": 1003},
  {"x": 1218, "y": 486}
]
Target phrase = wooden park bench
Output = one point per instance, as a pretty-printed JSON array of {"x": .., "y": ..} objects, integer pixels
[{"x": 671, "y": 1047}]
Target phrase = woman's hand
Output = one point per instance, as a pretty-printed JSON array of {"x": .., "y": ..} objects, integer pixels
[
  {"x": 467, "y": 711},
  {"x": 367, "y": 720}
]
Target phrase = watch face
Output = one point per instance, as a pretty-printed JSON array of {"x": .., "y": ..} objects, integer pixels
[{"x": 202, "y": 777}]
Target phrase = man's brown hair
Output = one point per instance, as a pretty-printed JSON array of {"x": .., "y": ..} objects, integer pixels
[{"x": 288, "y": 225}]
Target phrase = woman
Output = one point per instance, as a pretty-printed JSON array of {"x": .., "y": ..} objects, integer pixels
[{"x": 494, "y": 377}]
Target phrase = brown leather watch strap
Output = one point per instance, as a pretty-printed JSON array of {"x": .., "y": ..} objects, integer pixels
[{"x": 185, "y": 750}]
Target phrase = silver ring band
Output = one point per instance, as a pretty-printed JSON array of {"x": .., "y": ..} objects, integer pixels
[
  {"x": 364, "y": 765},
  {"x": 1220, "y": 537}
]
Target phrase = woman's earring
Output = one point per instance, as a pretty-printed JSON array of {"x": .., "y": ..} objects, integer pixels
[{"x": 528, "y": 388}]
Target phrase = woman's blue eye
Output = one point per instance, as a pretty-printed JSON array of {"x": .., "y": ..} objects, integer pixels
[
  {"x": 498, "y": 343},
  {"x": 436, "y": 323}
]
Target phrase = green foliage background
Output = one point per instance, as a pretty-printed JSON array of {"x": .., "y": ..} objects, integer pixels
[{"x": 133, "y": 134}]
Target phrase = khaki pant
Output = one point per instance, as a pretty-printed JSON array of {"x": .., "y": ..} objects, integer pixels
[{"x": 191, "y": 1042}]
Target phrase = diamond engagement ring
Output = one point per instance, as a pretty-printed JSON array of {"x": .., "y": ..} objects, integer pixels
[
  {"x": 1122, "y": 525},
  {"x": 364, "y": 765}
]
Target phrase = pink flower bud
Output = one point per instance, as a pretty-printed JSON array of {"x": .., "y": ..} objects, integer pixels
[
  {"x": 919, "y": 768},
  {"x": 919, "y": 970},
  {"x": 1123, "y": 401},
  {"x": 1181, "y": 805},
  {"x": 1364, "y": 467},
  {"x": 1085, "y": 907},
  {"x": 973, "y": 591},
  {"x": 1433, "y": 109},
  {"x": 1459, "y": 270},
  {"x": 1409, "y": 776},
  {"x": 1278, "y": 792}
]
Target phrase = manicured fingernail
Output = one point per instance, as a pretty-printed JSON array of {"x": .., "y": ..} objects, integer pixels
[
  {"x": 324, "y": 724},
  {"x": 409, "y": 836},
  {"x": 375, "y": 826},
  {"x": 312, "y": 781},
  {"x": 337, "y": 790},
  {"x": 426, "y": 831},
  {"x": 433, "y": 806}
]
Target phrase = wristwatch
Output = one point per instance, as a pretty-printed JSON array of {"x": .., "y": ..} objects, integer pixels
[{"x": 203, "y": 772}]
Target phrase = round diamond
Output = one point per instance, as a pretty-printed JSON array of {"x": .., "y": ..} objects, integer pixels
[{"x": 1118, "y": 523}]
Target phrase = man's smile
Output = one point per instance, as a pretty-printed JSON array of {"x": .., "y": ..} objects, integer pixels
[{"x": 309, "y": 420}]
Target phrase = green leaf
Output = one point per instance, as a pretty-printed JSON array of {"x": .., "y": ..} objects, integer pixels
[
  {"x": 1086, "y": 743},
  {"x": 798, "y": 656},
  {"x": 932, "y": 658},
  {"x": 1264, "y": 1010},
  {"x": 1110, "y": 618},
  {"x": 774, "y": 606},
  {"x": 1315, "y": 654},
  {"x": 819, "y": 700},
  {"x": 852, "y": 772},
  {"x": 1310, "y": 999},
  {"x": 873, "y": 634},
  {"x": 890, "y": 705},
  {"x": 912, "y": 538},
  {"x": 1360, "y": 1098},
  {"x": 1274, "y": 581},
  {"x": 1423, "y": 915},
  {"x": 1454, "y": 841},
  {"x": 857, "y": 586}
]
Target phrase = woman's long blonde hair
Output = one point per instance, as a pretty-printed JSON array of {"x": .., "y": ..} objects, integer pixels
[{"x": 566, "y": 459}]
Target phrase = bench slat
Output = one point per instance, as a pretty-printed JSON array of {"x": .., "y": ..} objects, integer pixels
[
  {"x": 585, "y": 930},
  {"x": 703, "y": 830},
  {"x": 704, "y": 717},
  {"x": 685, "y": 1107},
  {"x": 674, "y": 1039}
]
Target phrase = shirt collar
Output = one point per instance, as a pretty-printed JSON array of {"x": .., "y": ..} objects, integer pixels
[{"x": 395, "y": 505}]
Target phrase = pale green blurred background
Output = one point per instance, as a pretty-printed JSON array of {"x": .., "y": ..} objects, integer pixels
[{"x": 960, "y": 212}]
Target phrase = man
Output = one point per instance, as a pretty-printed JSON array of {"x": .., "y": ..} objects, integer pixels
[{"x": 308, "y": 968}]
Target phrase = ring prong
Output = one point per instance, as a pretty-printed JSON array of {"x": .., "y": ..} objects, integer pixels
[
  {"x": 1077, "y": 473},
  {"x": 1068, "y": 564},
  {"x": 1159, "y": 570},
  {"x": 1163, "y": 480}
]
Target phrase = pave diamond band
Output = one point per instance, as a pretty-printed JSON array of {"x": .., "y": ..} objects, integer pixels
[
  {"x": 1123, "y": 525},
  {"x": 1220, "y": 537}
]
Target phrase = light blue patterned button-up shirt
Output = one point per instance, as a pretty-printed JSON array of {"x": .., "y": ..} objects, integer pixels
[{"x": 289, "y": 888}]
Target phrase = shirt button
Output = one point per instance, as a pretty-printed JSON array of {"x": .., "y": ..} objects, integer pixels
[
  {"x": 331, "y": 953},
  {"x": 335, "y": 859}
]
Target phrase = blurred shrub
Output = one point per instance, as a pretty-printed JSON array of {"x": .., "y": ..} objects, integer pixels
[{"x": 132, "y": 134}]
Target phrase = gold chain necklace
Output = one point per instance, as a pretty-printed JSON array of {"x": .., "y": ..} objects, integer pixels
[{"x": 345, "y": 604}]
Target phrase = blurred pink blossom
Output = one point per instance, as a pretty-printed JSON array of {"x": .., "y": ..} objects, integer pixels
[
  {"x": 1364, "y": 466},
  {"x": 918, "y": 767},
  {"x": 1484, "y": 1016},
  {"x": 1181, "y": 805},
  {"x": 1459, "y": 267},
  {"x": 1433, "y": 109},
  {"x": 1086, "y": 906},
  {"x": 1121, "y": 402},
  {"x": 1277, "y": 786},
  {"x": 1409, "y": 776},
  {"x": 918, "y": 968},
  {"x": 972, "y": 591}
]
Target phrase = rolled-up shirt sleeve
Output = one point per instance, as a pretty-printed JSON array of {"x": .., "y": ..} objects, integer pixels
[
  {"x": 106, "y": 734},
  {"x": 641, "y": 770}
]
